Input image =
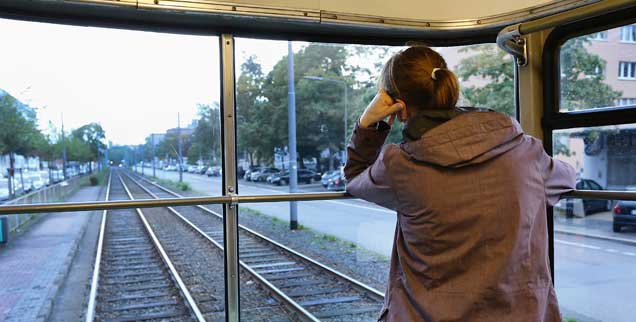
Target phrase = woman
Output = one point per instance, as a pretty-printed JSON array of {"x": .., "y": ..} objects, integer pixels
[{"x": 470, "y": 190}]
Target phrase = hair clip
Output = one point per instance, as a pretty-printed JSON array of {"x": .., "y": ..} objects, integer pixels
[{"x": 433, "y": 73}]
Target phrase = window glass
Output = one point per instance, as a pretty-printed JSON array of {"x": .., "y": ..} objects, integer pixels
[
  {"x": 333, "y": 83},
  {"x": 76, "y": 102},
  {"x": 628, "y": 33},
  {"x": 596, "y": 74},
  {"x": 595, "y": 240}
]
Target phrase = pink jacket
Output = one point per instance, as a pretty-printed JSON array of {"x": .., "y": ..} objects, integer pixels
[{"x": 471, "y": 241}]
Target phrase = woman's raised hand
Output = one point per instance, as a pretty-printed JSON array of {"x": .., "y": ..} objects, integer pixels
[{"x": 382, "y": 106}]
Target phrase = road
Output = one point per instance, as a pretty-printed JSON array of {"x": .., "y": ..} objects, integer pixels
[
  {"x": 350, "y": 220},
  {"x": 594, "y": 278}
]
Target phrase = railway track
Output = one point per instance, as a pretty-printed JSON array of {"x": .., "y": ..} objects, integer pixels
[
  {"x": 133, "y": 278},
  {"x": 311, "y": 290}
]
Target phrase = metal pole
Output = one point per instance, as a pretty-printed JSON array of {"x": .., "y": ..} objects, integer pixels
[
  {"x": 346, "y": 115},
  {"x": 142, "y": 160},
  {"x": 154, "y": 158},
  {"x": 291, "y": 113},
  {"x": 63, "y": 150},
  {"x": 230, "y": 211},
  {"x": 180, "y": 159}
]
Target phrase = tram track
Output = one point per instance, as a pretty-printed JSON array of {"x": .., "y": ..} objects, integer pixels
[
  {"x": 133, "y": 277},
  {"x": 311, "y": 290}
]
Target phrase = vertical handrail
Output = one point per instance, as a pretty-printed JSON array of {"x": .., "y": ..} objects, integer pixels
[{"x": 228, "y": 132}]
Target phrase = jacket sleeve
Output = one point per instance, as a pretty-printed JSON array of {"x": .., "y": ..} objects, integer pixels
[
  {"x": 366, "y": 167},
  {"x": 559, "y": 178}
]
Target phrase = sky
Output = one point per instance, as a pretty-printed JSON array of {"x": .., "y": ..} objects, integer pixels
[{"x": 131, "y": 82}]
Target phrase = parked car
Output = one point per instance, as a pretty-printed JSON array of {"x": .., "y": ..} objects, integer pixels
[
  {"x": 592, "y": 205},
  {"x": 192, "y": 169},
  {"x": 213, "y": 171},
  {"x": 304, "y": 175},
  {"x": 624, "y": 213},
  {"x": 336, "y": 183},
  {"x": 324, "y": 180},
  {"x": 248, "y": 174},
  {"x": 35, "y": 180},
  {"x": 261, "y": 175},
  {"x": 202, "y": 169}
]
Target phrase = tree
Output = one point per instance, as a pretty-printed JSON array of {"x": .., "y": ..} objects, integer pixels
[
  {"x": 206, "y": 137},
  {"x": 19, "y": 133},
  {"x": 92, "y": 135},
  {"x": 493, "y": 66},
  {"x": 582, "y": 77}
]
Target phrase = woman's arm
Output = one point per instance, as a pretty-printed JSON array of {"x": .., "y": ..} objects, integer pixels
[{"x": 366, "y": 168}]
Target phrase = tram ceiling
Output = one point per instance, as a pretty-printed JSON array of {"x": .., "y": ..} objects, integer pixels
[{"x": 388, "y": 22}]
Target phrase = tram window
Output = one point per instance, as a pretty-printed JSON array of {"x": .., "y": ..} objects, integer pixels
[
  {"x": 598, "y": 74},
  {"x": 594, "y": 239},
  {"x": 79, "y": 99},
  {"x": 331, "y": 81},
  {"x": 333, "y": 84},
  {"x": 93, "y": 97}
]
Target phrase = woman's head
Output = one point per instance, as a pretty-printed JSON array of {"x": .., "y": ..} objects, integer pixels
[{"x": 418, "y": 75}]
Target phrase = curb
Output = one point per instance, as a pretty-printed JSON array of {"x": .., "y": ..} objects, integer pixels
[{"x": 614, "y": 239}]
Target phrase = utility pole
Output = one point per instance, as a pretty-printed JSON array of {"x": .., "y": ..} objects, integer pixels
[
  {"x": 179, "y": 156},
  {"x": 63, "y": 150},
  {"x": 291, "y": 113},
  {"x": 154, "y": 158},
  {"x": 143, "y": 156}
]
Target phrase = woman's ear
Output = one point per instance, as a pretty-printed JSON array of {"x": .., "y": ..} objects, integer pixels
[{"x": 403, "y": 115}]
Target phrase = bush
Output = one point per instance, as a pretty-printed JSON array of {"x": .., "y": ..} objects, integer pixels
[
  {"x": 93, "y": 180},
  {"x": 184, "y": 186}
]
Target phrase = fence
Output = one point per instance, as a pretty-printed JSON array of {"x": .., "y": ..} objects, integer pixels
[{"x": 54, "y": 193}]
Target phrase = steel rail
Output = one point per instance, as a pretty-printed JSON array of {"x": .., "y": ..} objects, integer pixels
[
  {"x": 164, "y": 256},
  {"x": 290, "y": 303},
  {"x": 357, "y": 284},
  {"x": 92, "y": 297},
  {"x": 238, "y": 199}
]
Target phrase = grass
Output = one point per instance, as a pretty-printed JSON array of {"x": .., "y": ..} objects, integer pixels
[{"x": 566, "y": 319}]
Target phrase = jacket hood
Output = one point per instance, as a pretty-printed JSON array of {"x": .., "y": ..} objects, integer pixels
[{"x": 469, "y": 138}]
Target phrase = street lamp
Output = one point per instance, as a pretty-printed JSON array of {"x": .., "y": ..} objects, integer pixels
[{"x": 344, "y": 84}]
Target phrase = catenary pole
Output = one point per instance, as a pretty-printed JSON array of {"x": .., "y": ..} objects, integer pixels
[
  {"x": 291, "y": 112},
  {"x": 179, "y": 156}
]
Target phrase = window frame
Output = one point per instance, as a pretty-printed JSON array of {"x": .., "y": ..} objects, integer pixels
[
  {"x": 631, "y": 70},
  {"x": 230, "y": 187},
  {"x": 629, "y": 30},
  {"x": 553, "y": 118}
]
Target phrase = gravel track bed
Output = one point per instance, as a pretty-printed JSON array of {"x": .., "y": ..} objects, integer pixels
[
  {"x": 328, "y": 298},
  {"x": 201, "y": 265},
  {"x": 134, "y": 281}
]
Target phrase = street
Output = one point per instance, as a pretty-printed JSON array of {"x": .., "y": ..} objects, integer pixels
[{"x": 595, "y": 278}]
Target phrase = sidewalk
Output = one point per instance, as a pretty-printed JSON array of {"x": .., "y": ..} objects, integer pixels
[
  {"x": 33, "y": 265},
  {"x": 597, "y": 225}
]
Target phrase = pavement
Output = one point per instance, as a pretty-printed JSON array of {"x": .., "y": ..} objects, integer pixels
[{"x": 34, "y": 264}]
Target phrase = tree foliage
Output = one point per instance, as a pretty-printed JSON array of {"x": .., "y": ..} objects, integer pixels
[
  {"x": 495, "y": 68},
  {"x": 582, "y": 77}
]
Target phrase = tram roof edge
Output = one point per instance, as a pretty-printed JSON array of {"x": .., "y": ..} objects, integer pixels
[{"x": 274, "y": 22}]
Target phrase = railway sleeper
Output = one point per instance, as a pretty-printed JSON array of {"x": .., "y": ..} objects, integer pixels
[
  {"x": 135, "y": 280},
  {"x": 316, "y": 291},
  {"x": 141, "y": 306},
  {"x": 356, "y": 311},
  {"x": 161, "y": 316},
  {"x": 335, "y": 300},
  {"x": 137, "y": 296},
  {"x": 130, "y": 274}
]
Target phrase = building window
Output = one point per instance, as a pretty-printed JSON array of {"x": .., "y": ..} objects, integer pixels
[
  {"x": 628, "y": 33},
  {"x": 627, "y": 70},
  {"x": 601, "y": 35},
  {"x": 626, "y": 101}
]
